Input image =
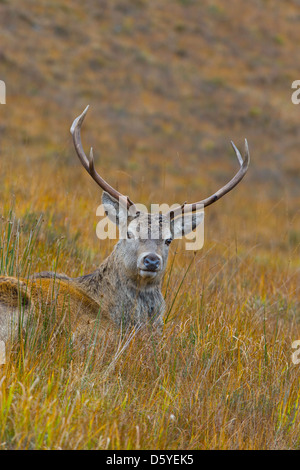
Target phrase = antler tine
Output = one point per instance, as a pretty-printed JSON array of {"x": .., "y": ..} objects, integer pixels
[
  {"x": 89, "y": 165},
  {"x": 244, "y": 164},
  {"x": 75, "y": 131}
]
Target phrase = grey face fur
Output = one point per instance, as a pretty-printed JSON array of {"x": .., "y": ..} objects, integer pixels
[
  {"x": 144, "y": 244},
  {"x": 145, "y": 239}
]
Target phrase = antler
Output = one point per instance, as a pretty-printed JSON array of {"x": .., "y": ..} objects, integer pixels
[
  {"x": 88, "y": 162},
  {"x": 222, "y": 191}
]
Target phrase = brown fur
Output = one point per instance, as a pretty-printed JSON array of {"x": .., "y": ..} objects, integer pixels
[{"x": 12, "y": 291}]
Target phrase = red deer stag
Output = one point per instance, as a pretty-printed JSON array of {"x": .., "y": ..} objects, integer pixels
[{"x": 126, "y": 287}]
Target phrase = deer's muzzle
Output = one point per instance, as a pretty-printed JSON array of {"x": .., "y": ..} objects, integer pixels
[{"x": 149, "y": 264}]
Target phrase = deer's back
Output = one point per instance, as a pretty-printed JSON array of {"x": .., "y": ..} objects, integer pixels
[{"x": 58, "y": 297}]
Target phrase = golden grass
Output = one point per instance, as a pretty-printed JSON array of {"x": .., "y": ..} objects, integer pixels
[{"x": 221, "y": 376}]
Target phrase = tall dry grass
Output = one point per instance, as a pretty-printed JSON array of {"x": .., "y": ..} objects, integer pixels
[{"x": 220, "y": 377}]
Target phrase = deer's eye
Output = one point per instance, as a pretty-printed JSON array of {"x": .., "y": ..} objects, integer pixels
[
  {"x": 130, "y": 235},
  {"x": 168, "y": 241}
]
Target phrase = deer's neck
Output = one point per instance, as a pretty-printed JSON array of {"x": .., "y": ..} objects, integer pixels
[{"x": 123, "y": 298}]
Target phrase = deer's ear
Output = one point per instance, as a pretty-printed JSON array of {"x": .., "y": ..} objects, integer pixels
[
  {"x": 184, "y": 224},
  {"x": 115, "y": 211}
]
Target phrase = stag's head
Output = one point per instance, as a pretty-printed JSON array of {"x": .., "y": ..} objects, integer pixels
[{"x": 145, "y": 237}]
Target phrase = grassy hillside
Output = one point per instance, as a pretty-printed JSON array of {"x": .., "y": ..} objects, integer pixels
[{"x": 169, "y": 83}]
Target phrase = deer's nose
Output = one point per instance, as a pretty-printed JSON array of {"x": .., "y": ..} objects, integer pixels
[{"x": 152, "y": 262}]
